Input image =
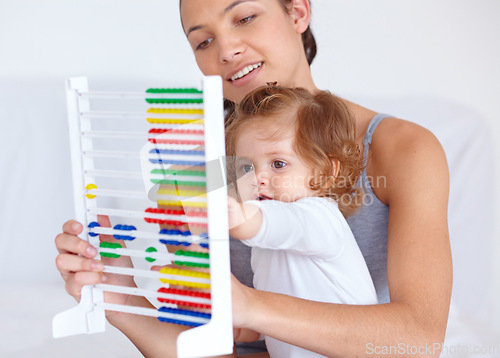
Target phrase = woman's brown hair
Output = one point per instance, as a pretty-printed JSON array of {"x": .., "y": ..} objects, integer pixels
[{"x": 324, "y": 137}]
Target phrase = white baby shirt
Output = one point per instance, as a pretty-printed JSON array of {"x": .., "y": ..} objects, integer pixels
[{"x": 306, "y": 249}]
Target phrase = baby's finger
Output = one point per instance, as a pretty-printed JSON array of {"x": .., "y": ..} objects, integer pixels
[{"x": 71, "y": 244}]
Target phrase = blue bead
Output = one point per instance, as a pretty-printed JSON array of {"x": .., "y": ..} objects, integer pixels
[
  {"x": 92, "y": 225},
  {"x": 125, "y": 228}
]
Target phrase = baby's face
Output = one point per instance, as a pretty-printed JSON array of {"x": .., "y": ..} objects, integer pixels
[{"x": 269, "y": 169}]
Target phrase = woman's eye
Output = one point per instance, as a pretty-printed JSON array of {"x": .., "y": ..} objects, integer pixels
[
  {"x": 247, "y": 168},
  {"x": 204, "y": 44},
  {"x": 278, "y": 164},
  {"x": 246, "y": 20}
]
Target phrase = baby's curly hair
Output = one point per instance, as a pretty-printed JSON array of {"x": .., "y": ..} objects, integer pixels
[{"x": 324, "y": 135}]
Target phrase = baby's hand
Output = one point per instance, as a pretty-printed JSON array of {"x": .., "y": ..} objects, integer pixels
[{"x": 235, "y": 213}]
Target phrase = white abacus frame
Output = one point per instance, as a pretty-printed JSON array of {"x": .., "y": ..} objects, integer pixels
[{"x": 216, "y": 336}]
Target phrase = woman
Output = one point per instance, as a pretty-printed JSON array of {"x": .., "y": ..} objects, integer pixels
[{"x": 402, "y": 232}]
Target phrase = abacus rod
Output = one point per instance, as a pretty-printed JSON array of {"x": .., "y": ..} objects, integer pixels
[
  {"x": 152, "y": 294},
  {"x": 142, "y": 215},
  {"x": 187, "y": 126},
  {"x": 150, "y": 312},
  {"x": 137, "y": 115},
  {"x": 113, "y": 173},
  {"x": 141, "y": 135},
  {"x": 123, "y": 154},
  {"x": 192, "y": 178},
  {"x": 126, "y": 271},
  {"x": 159, "y": 198},
  {"x": 112, "y": 134},
  {"x": 109, "y": 154},
  {"x": 138, "y": 95},
  {"x": 139, "y": 175},
  {"x": 149, "y": 235},
  {"x": 129, "y": 194},
  {"x": 153, "y": 255}
]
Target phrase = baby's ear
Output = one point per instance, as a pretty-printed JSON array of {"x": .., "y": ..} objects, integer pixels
[{"x": 336, "y": 167}]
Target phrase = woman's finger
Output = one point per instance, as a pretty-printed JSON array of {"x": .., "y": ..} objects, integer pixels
[
  {"x": 72, "y": 227},
  {"x": 67, "y": 263},
  {"x": 78, "y": 280},
  {"x": 67, "y": 243}
]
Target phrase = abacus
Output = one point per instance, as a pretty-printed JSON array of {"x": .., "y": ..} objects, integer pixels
[{"x": 154, "y": 163}]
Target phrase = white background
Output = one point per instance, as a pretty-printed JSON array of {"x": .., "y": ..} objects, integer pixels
[{"x": 384, "y": 51}]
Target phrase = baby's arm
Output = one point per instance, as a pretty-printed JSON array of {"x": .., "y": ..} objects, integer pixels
[{"x": 245, "y": 220}]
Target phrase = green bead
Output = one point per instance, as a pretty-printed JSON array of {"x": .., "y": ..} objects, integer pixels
[
  {"x": 151, "y": 249},
  {"x": 177, "y": 182},
  {"x": 113, "y": 256},
  {"x": 174, "y": 100},
  {"x": 173, "y": 90},
  {"x": 191, "y": 264},
  {"x": 110, "y": 245},
  {"x": 178, "y": 172}
]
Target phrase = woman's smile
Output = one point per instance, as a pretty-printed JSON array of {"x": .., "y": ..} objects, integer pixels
[
  {"x": 246, "y": 75},
  {"x": 245, "y": 71}
]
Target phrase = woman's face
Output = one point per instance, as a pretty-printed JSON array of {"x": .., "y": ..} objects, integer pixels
[{"x": 247, "y": 43}]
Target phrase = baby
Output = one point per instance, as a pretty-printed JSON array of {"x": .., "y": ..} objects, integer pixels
[{"x": 295, "y": 165}]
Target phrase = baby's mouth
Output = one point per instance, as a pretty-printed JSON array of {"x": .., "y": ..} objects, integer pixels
[{"x": 262, "y": 197}]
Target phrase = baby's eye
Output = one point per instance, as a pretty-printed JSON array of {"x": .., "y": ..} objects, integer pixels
[
  {"x": 278, "y": 164},
  {"x": 247, "y": 168},
  {"x": 203, "y": 45}
]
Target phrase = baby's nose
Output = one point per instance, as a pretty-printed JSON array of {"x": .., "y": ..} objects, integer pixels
[{"x": 262, "y": 177}]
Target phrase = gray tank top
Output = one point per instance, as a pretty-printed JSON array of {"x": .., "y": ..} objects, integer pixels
[{"x": 369, "y": 226}]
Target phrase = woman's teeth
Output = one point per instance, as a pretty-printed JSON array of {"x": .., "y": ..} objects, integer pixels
[{"x": 245, "y": 71}]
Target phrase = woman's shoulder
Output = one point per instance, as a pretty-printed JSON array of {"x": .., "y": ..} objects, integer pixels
[
  {"x": 398, "y": 137},
  {"x": 403, "y": 151}
]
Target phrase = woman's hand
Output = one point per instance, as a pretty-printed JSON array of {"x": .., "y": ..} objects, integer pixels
[
  {"x": 79, "y": 264},
  {"x": 242, "y": 303}
]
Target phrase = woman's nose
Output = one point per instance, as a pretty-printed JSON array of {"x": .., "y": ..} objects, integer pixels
[{"x": 230, "y": 47}]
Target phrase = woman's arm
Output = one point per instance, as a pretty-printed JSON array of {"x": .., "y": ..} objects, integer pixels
[{"x": 419, "y": 265}]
